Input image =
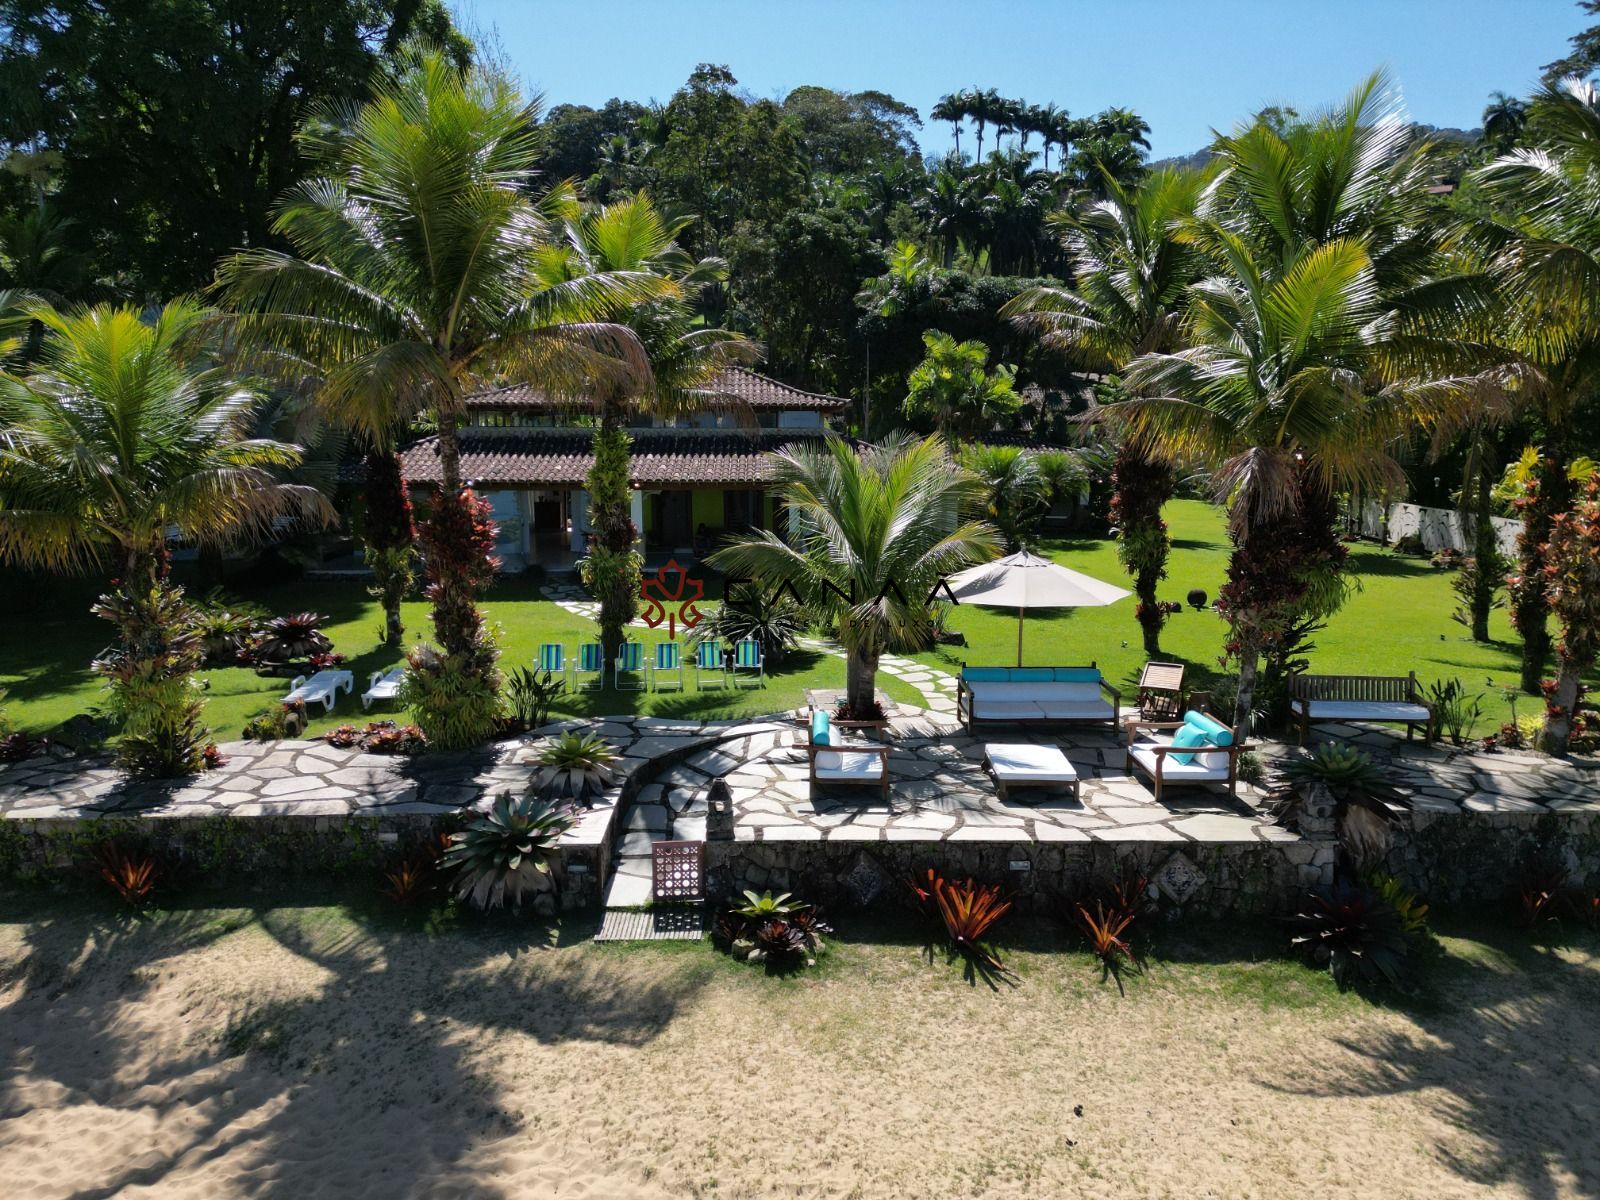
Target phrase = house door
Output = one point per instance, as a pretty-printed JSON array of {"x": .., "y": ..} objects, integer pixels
[
  {"x": 549, "y": 527},
  {"x": 675, "y": 528}
]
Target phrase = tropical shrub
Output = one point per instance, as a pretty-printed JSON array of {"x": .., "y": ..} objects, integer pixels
[
  {"x": 953, "y": 390},
  {"x": 1358, "y": 936},
  {"x": 529, "y": 695},
  {"x": 1538, "y": 892},
  {"x": 968, "y": 911},
  {"x": 776, "y": 622},
  {"x": 275, "y": 723},
  {"x": 455, "y": 704},
  {"x": 225, "y": 627},
  {"x": 1571, "y": 577},
  {"x": 1413, "y": 912},
  {"x": 503, "y": 856},
  {"x": 389, "y": 737},
  {"x": 149, "y": 674},
  {"x": 1454, "y": 712},
  {"x": 17, "y": 745},
  {"x": 775, "y": 930},
  {"x": 576, "y": 766}
]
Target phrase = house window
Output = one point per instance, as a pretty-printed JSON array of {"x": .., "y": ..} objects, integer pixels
[{"x": 741, "y": 510}]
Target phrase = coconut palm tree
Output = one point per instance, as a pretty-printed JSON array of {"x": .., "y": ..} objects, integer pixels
[
  {"x": 633, "y": 237},
  {"x": 1316, "y": 239},
  {"x": 1132, "y": 270},
  {"x": 415, "y": 282},
  {"x": 1540, "y": 249},
  {"x": 127, "y": 431},
  {"x": 870, "y": 533}
]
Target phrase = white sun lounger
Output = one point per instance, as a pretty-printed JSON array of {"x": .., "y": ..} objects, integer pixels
[
  {"x": 322, "y": 688},
  {"x": 1023, "y": 764},
  {"x": 382, "y": 687}
]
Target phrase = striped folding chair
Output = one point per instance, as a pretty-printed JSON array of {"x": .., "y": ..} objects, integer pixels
[
  {"x": 591, "y": 666},
  {"x": 553, "y": 659},
  {"x": 747, "y": 658},
  {"x": 708, "y": 657},
  {"x": 630, "y": 662},
  {"x": 667, "y": 662}
]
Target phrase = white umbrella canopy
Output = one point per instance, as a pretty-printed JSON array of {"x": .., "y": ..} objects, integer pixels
[{"x": 1023, "y": 581}]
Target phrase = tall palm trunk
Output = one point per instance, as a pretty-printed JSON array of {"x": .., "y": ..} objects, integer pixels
[
  {"x": 1558, "y": 723},
  {"x": 1530, "y": 609},
  {"x": 389, "y": 538},
  {"x": 1142, "y": 486}
]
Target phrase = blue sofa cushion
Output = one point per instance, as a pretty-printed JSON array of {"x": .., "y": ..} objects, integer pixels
[
  {"x": 1077, "y": 675},
  {"x": 821, "y": 732},
  {"x": 987, "y": 674},
  {"x": 1216, "y": 732},
  {"x": 1188, "y": 735}
]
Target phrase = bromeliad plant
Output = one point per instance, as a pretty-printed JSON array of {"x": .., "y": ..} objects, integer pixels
[
  {"x": 132, "y": 877},
  {"x": 503, "y": 856},
  {"x": 577, "y": 766},
  {"x": 775, "y": 930},
  {"x": 968, "y": 911},
  {"x": 1361, "y": 938},
  {"x": 289, "y": 641}
]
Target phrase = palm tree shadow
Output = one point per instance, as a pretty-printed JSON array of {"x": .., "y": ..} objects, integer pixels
[
  {"x": 1483, "y": 1045},
  {"x": 396, "y": 1018}
]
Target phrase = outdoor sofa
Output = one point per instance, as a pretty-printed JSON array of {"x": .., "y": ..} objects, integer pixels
[{"x": 1023, "y": 695}]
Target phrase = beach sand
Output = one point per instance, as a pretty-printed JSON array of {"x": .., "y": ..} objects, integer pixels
[{"x": 297, "y": 1053}]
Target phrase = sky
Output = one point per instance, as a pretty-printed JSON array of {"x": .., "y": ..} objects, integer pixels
[{"x": 1187, "y": 66}]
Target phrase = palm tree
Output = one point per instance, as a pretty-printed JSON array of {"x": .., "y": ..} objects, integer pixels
[
  {"x": 951, "y": 108},
  {"x": 1046, "y": 121},
  {"x": 983, "y": 106},
  {"x": 128, "y": 431},
  {"x": 633, "y": 237},
  {"x": 1504, "y": 119},
  {"x": 1315, "y": 238},
  {"x": 1013, "y": 491},
  {"x": 416, "y": 283},
  {"x": 1541, "y": 251},
  {"x": 1131, "y": 270},
  {"x": 870, "y": 534}
]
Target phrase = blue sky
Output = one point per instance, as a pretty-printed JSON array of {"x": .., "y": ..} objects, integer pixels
[{"x": 1186, "y": 65}]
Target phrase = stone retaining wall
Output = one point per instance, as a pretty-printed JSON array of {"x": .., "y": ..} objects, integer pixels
[{"x": 1473, "y": 857}]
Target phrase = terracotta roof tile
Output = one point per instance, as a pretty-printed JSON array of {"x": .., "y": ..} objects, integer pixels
[
  {"x": 735, "y": 386},
  {"x": 562, "y": 457}
]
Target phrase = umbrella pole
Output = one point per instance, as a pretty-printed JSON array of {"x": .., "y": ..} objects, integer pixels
[{"x": 1021, "y": 613}]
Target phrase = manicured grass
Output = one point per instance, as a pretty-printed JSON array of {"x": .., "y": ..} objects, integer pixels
[
  {"x": 1397, "y": 620},
  {"x": 44, "y": 659}
]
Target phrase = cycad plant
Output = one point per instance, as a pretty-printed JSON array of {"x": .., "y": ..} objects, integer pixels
[
  {"x": 870, "y": 534},
  {"x": 415, "y": 280},
  {"x": 126, "y": 430}
]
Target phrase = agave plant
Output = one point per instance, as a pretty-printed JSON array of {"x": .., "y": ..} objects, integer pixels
[
  {"x": 503, "y": 855},
  {"x": 576, "y": 765},
  {"x": 294, "y": 638},
  {"x": 1356, "y": 934},
  {"x": 1341, "y": 767}
]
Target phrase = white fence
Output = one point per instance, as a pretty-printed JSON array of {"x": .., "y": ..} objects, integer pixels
[{"x": 1439, "y": 528}]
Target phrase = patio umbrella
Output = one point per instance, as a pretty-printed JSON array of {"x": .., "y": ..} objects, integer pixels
[{"x": 1023, "y": 581}]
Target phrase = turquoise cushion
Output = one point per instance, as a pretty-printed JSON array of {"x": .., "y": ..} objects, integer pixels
[
  {"x": 820, "y": 733},
  {"x": 1077, "y": 674},
  {"x": 1188, "y": 735},
  {"x": 1031, "y": 675},
  {"x": 987, "y": 674},
  {"x": 1216, "y": 732}
]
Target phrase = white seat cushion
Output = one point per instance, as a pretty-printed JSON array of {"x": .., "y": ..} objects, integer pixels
[
  {"x": 1077, "y": 710},
  {"x": 1206, "y": 768},
  {"x": 1365, "y": 710},
  {"x": 1021, "y": 761},
  {"x": 1007, "y": 709},
  {"x": 851, "y": 767}
]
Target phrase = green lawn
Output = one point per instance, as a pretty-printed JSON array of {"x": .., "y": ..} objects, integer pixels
[
  {"x": 44, "y": 659},
  {"x": 1398, "y": 620}
]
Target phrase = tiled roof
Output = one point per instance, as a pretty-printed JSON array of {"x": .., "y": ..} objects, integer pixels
[
  {"x": 562, "y": 457},
  {"x": 735, "y": 386}
]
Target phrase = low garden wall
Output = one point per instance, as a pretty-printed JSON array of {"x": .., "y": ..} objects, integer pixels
[{"x": 1469, "y": 857}]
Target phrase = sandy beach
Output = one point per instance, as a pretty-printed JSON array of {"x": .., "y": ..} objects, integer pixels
[{"x": 295, "y": 1052}]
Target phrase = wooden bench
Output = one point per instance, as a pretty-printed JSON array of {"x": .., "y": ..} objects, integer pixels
[{"x": 1386, "y": 699}]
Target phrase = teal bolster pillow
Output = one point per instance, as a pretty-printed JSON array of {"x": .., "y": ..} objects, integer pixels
[
  {"x": 1188, "y": 735},
  {"x": 820, "y": 733},
  {"x": 1216, "y": 732}
]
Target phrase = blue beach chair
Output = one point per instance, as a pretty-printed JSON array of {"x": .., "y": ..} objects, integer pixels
[
  {"x": 667, "y": 662},
  {"x": 591, "y": 666},
  {"x": 708, "y": 657},
  {"x": 747, "y": 658},
  {"x": 630, "y": 662}
]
